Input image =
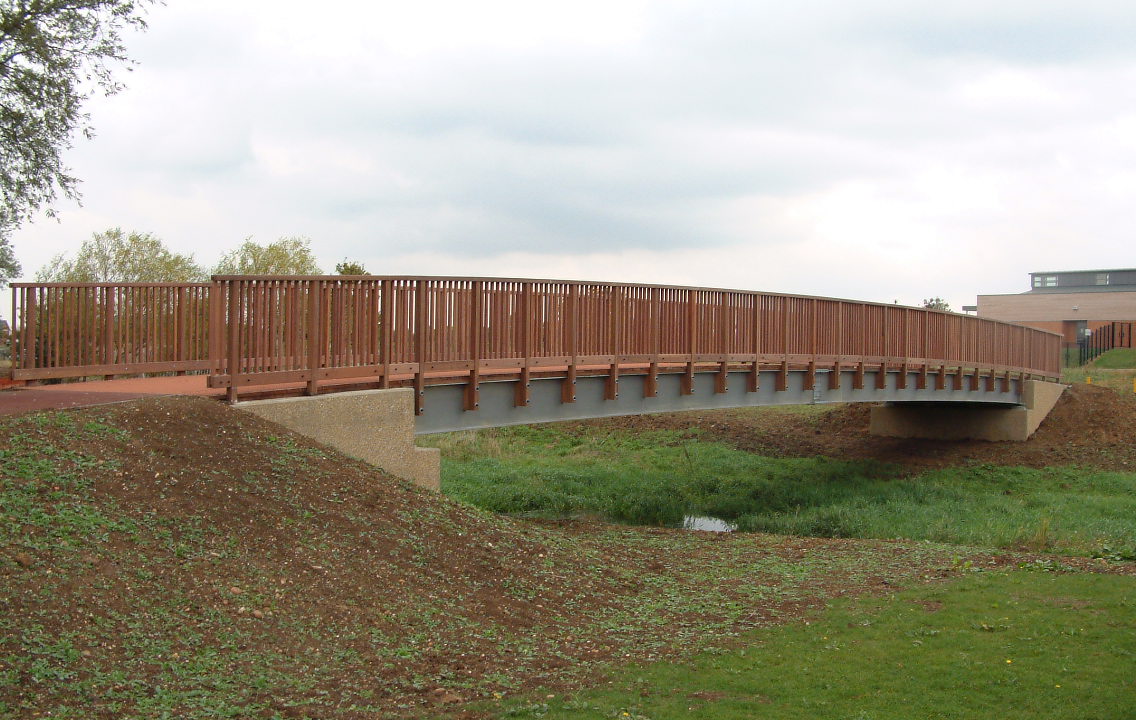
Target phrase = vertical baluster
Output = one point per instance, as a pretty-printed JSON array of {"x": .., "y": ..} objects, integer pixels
[
  {"x": 616, "y": 310},
  {"x": 473, "y": 386},
  {"x": 571, "y": 333},
  {"x": 523, "y": 316},
  {"x": 691, "y": 341},
  {"x": 419, "y": 345},
  {"x": 753, "y": 383}
]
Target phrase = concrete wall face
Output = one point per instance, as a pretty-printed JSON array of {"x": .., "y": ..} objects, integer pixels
[
  {"x": 375, "y": 426},
  {"x": 1000, "y": 424}
]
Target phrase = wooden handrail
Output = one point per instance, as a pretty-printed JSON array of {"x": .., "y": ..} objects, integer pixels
[
  {"x": 89, "y": 329},
  {"x": 456, "y": 329},
  {"x": 251, "y": 331}
]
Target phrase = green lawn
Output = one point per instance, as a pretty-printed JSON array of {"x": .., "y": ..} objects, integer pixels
[
  {"x": 1021, "y": 644},
  {"x": 1117, "y": 359},
  {"x": 1121, "y": 380},
  {"x": 1115, "y": 369}
]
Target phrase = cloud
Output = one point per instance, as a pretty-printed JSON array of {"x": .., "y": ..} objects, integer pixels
[{"x": 863, "y": 149}]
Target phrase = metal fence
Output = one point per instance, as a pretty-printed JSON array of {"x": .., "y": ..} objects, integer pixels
[
  {"x": 1105, "y": 338},
  {"x": 253, "y": 331}
]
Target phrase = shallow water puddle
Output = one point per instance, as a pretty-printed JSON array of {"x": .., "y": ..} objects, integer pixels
[{"x": 709, "y": 524}]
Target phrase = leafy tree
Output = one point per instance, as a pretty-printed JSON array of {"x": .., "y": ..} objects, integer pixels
[
  {"x": 115, "y": 256},
  {"x": 286, "y": 256},
  {"x": 9, "y": 268},
  {"x": 5, "y": 340},
  {"x": 937, "y": 303},
  {"x": 350, "y": 267},
  {"x": 53, "y": 55}
]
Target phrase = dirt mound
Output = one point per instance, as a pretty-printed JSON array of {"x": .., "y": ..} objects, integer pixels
[
  {"x": 177, "y": 557},
  {"x": 209, "y": 528},
  {"x": 1090, "y": 426},
  {"x": 1089, "y": 415}
]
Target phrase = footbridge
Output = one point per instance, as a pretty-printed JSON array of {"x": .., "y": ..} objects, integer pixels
[{"x": 483, "y": 352}]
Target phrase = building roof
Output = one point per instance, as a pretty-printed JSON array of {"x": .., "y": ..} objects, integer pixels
[
  {"x": 1078, "y": 289},
  {"x": 1068, "y": 281},
  {"x": 1069, "y": 272}
]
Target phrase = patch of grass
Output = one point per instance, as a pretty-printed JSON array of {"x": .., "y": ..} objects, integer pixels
[
  {"x": 657, "y": 477},
  {"x": 1006, "y": 644},
  {"x": 44, "y": 489},
  {"x": 1117, "y": 359},
  {"x": 646, "y": 477},
  {"x": 1055, "y": 509},
  {"x": 1119, "y": 380}
]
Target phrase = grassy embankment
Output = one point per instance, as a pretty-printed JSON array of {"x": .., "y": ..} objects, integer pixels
[
  {"x": 1114, "y": 369},
  {"x": 657, "y": 477}
]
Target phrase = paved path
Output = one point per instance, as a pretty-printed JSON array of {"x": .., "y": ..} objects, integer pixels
[
  {"x": 29, "y": 398},
  {"x": 100, "y": 392}
]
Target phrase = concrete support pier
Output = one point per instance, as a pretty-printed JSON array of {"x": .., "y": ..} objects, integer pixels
[
  {"x": 375, "y": 426},
  {"x": 1014, "y": 423}
]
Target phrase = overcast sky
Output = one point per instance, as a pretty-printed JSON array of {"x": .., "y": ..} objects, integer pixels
[{"x": 872, "y": 150}]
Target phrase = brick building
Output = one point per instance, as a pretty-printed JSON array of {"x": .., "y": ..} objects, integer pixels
[{"x": 1070, "y": 302}]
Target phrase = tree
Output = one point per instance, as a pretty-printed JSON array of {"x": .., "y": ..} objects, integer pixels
[
  {"x": 937, "y": 303},
  {"x": 350, "y": 267},
  {"x": 115, "y": 256},
  {"x": 286, "y": 256},
  {"x": 54, "y": 54},
  {"x": 9, "y": 268}
]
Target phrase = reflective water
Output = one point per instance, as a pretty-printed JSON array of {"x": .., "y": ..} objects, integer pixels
[{"x": 709, "y": 524}]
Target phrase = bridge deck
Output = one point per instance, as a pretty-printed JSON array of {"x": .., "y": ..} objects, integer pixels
[
  {"x": 538, "y": 349},
  {"x": 445, "y": 391}
]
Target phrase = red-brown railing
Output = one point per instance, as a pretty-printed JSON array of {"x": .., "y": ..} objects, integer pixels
[
  {"x": 423, "y": 330},
  {"x": 252, "y": 331},
  {"x": 87, "y": 329}
]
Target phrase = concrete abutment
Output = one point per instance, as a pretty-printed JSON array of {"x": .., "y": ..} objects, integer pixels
[
  {"x": 375, "y": 426},
  {"x": 935, "y": 421}
]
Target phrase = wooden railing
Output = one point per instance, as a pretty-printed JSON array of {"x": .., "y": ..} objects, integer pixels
[
  {"x": 90, "y": 329},
  {"x": 419, "y": 330},
  {"x": 253, "y": 331}
]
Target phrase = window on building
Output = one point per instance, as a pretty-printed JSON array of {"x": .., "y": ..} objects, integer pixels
[
  {"x": 1102, "y": 278},
  {"x": 1044, "y": 281}
]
